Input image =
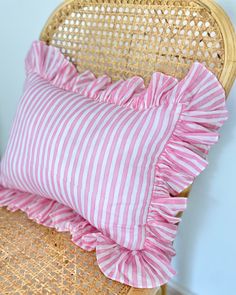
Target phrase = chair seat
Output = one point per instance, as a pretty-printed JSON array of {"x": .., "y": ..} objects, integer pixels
[{"x": 38, "y": 260}]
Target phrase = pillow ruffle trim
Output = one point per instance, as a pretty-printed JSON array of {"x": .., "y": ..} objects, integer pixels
[
  {"x": 51, "y": 214},
  {"x": 51, "y": 64},
  {"x": 182, "y": 159},
  {"x": 147, "y": 268}
]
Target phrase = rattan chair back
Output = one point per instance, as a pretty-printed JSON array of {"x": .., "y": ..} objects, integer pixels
[{"x": 125, "y": 38}]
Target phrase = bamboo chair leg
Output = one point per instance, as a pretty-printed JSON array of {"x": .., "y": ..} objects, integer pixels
[{"x": 164, "y": 290}]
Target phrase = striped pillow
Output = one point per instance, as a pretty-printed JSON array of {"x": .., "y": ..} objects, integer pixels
[{"x": 106, "y": 160}]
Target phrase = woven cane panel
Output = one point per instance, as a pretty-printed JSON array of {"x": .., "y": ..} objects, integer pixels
[
  {"x": 36, "y": 260},
  {"x": 137, "y": 37}
]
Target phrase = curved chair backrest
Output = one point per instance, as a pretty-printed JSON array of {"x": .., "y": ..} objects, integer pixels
[{"x": 137, "y": 37}]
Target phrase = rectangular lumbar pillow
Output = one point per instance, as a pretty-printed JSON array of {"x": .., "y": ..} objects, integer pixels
[{"x": 106, "y": 160}]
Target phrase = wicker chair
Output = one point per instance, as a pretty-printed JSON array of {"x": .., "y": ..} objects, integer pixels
[{"x": 121, "y": 38}]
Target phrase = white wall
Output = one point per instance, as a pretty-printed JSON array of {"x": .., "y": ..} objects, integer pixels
[
  {"x": 21, "y": 22},
  {"x": 206, "y": 244}
]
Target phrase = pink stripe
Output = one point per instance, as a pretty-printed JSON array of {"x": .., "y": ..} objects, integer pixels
[
  {"x": 108, "y": 128},
  {"x": 99, "y": 204},
  {"x": 119, "y": 217},
  {"x": 43, "y": 141},
  {"x": 16, "y": 150},
  {"x": 12, "y": 140},
  {"x": 55, "y": 138},
  {"x": 123, "y": 141},
  {"x": 29, "y": 148},
  {"x": 93, "y": 116}
]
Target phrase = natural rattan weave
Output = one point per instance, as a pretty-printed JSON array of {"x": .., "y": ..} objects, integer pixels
[
  {"x": 121, "y": 38},
  {"x": 126, "y": 38},
  {"x": 37, "y": 260}
]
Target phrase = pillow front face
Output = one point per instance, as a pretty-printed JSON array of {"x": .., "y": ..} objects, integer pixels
[
  {"x": 97, "y": 158},
  {"x": 105, "y": 160}
]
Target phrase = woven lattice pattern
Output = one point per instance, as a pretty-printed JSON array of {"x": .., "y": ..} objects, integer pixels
[
  {"x": 126, "y": 38},
  {"x": 38, "y": 260}
]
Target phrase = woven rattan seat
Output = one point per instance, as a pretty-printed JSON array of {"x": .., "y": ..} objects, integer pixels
[{"x": 120, "y": 38}]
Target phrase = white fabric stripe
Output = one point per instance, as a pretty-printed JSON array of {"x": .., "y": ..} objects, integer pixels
[
  {"x": 87, "y": 150},
  {"x": 101, "y": 219},
  {"x": 117, "y": 94},
  {"x": 161, "y": 147},
  {"x": 161, "y": 135},
  {"x": 98, "y": 145},
  {"x": 33, "y": 135},
  {"x": 47, "y": 139},
  {"x": 105, "y": 159},
  {"x": 85, "y": 110},
  {"x": 191, "y": 76},
  {"x": 206, "y": 95},
  {"x": 106, "y": 93},
  {"x": 49, "y": 151},
  {"x": 197, "y": 87},
  {"x": 158, "y": 86},
  {"x": 12, "y": 140},
  {"x": 54, "y": 65},
  {"x": 114, "y": 161},
  {"x": 219, "y": 99},
  {"x": 129, "y": 92},
  {"x": 100, "y": 85},
  {"x": 128, "y": 178},
  {"x": 16, "y": 126},
  {"x": 162, "y": 265},
  {"x": 139, "y": 272},
  {"x": 27, "y": 117},
  {"x": 97, "y": 109},
  {"x": 64, "y": 104}
]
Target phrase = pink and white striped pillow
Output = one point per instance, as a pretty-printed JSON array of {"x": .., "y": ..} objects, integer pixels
[{"x": 106, "y": 160}]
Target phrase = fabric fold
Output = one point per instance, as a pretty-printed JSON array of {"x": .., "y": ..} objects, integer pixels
[
  {"x": 50, "y": 64},
  {"x": 52, "y": 214}
]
